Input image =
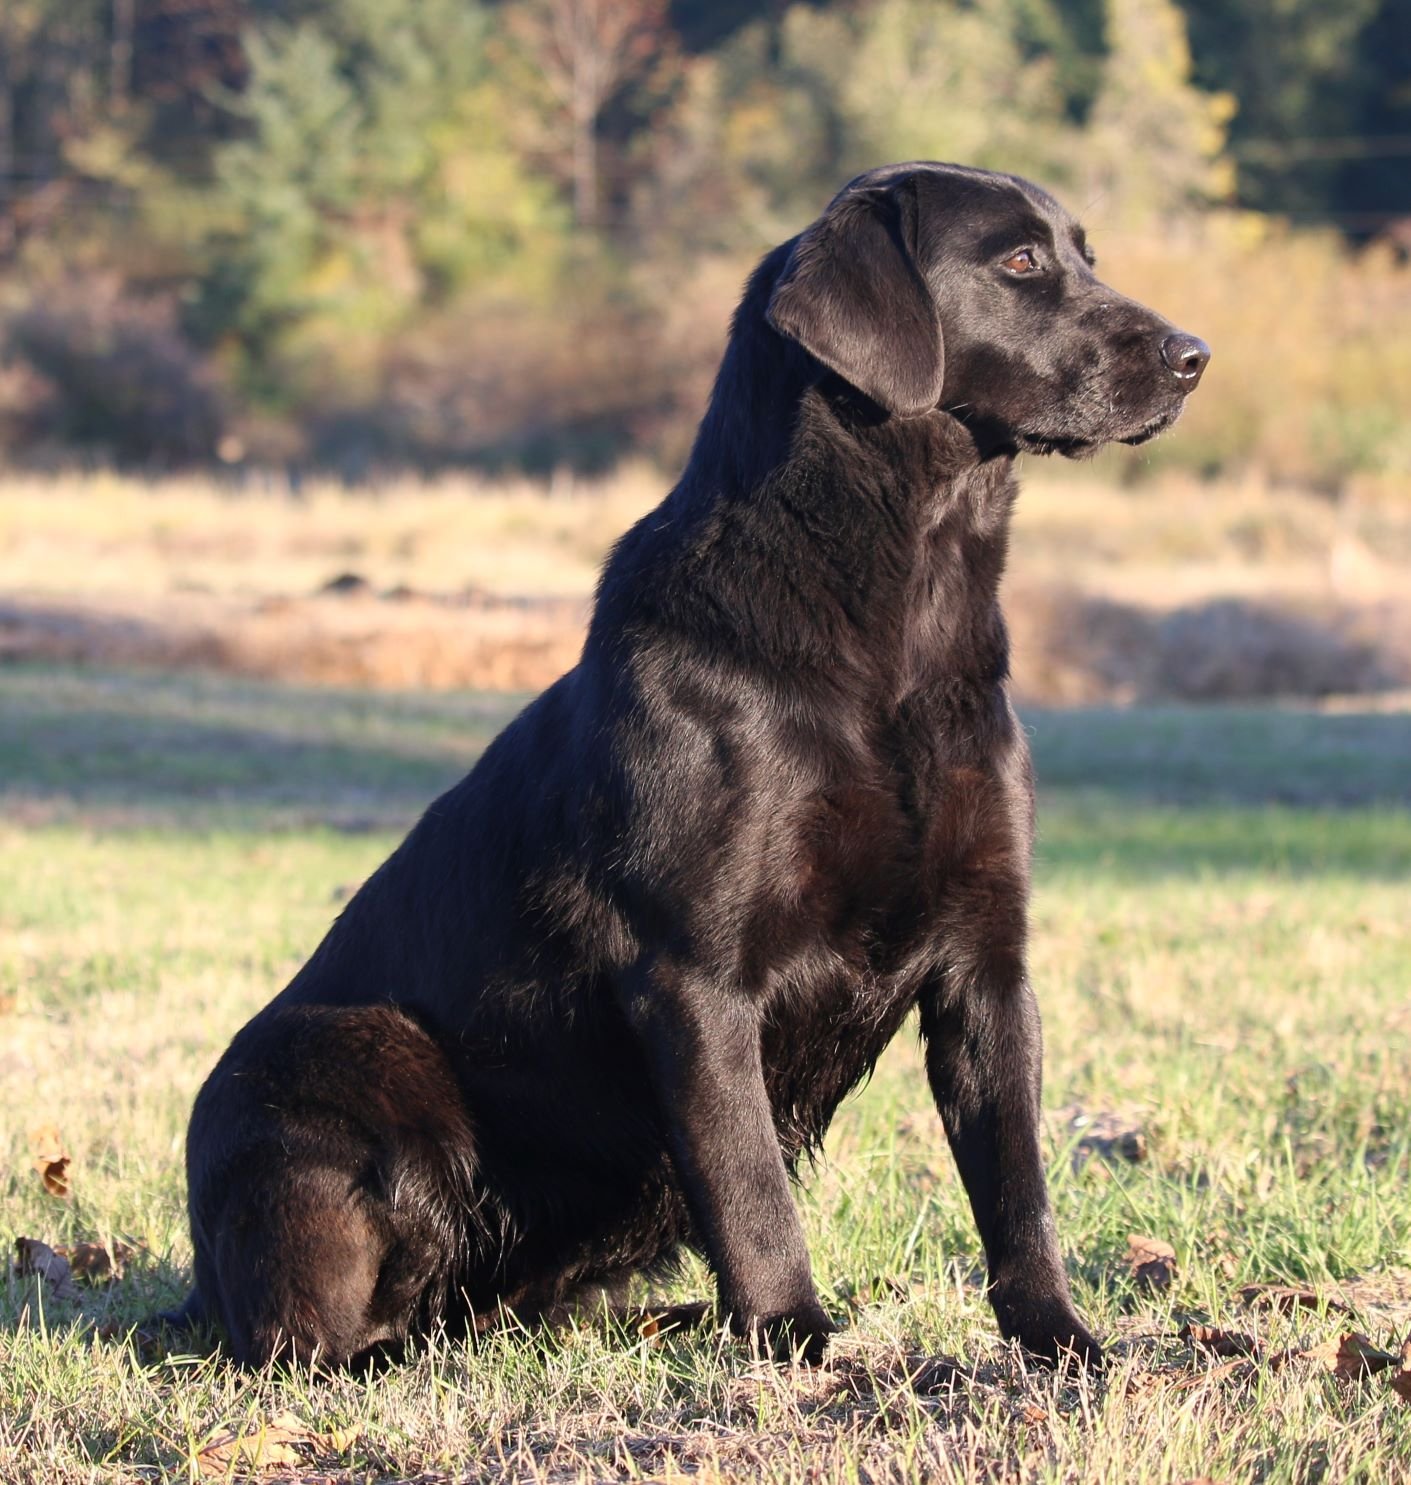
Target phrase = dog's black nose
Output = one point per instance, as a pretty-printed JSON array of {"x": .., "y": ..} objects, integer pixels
[{"x": 1185, "y": 355}]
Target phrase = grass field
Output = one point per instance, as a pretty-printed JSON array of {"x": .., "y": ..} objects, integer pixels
[{"x": 1222, "y": 947}]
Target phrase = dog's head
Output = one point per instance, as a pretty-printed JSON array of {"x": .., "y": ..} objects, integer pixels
[{"x": 927, "y": 285}]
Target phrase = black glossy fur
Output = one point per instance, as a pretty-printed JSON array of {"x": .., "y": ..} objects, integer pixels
[{"x": 615, "y": 983}]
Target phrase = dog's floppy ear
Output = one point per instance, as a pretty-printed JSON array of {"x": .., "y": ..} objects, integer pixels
[{"x": 852, "y": 296}]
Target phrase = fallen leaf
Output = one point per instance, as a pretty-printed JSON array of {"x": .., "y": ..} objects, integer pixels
[
  {"x": 1288, "y": 1298},
  {"x": 1152, "y": 1262},
  {"x": 1219, "y": 1342},
  {"x": 284, "y": 1442},
  {"x": 880, "y": 1289},
  {"x": 94, "y": 1263},
  {"x": 267, "y": 1449},
  {"x": 659, "y": 1320},
  {"x": 148, "y": 1345},
  {"x": 1241, "y": 1368},
  {"x": 1109, "y": 1135},
  {"x": 51, "y": 1160},
  {"x": 340, "y": 1440},
  {"x": 931, "y": 1375},
  {"x": 1351, "y": 1357},
  {"x": 34, "y": 1257},
  {"x": 1401, "y": 1382},
  {"x": 1384, "y": 1294},
  {"x": 1144, "y": 1384}
]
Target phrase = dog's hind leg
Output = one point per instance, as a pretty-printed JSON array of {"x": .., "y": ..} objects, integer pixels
[{"x": 331, "y": 1185}]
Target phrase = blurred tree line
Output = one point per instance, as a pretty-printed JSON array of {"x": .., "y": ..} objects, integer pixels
[{"x": 378, "y": 231}]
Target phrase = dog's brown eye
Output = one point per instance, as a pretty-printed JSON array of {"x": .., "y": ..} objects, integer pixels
[{"x": 1021, "y": 262}]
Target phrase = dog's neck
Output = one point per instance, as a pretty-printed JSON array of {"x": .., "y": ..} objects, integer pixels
[
  {"x": 748, "y": 427},
  {"x": 903, "y": 521},
  {"x": 900, "y": 526}
]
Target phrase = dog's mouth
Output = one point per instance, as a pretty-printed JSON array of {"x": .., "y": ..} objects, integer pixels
[
  {"x": 1070, "y": 445},
  {"x": 1073, "y": 446},
  {"x": 1069, "y": 448},
  {"x": 1157, "y": 425}
]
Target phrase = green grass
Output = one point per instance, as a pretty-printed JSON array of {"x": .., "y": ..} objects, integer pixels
[{"x": 1222, "y": 948}]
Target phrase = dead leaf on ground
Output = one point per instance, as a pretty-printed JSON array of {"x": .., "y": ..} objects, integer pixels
[
  {"x": 1287, "y": 1298},
  {"x": 1219, "y": 1342},
  {"x": 96, "y": 1264},
  {"x": 1145, "y": 1383},
  {"x": 51, "y": 1159},
  {"x": 91, "y": 1262},
  {"x": 654, "y": 1321},
  {"x": 1239, "y": 1368},
  {"x": 1152, "y": 1262},
  {"x": 1351, "y": 1357},
  {"x": 1383, "y": 1294},
  {"x": 1107, "y": 1134},
  {"x": 34, "y": 1257},
  {"x": 285, "y": 1442},
  {"x": 880, "y": 1289},
  {"x": 1401, "y": 1382},
  {"x": 149, "y": 1345}
]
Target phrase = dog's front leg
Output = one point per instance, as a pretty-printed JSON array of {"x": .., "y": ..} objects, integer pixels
[
  {"x": 703, "y": 1051},
  {"x": 980, "y": 1022}
]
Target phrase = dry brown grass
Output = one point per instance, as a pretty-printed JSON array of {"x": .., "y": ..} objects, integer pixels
[{"x": 1173, "y": 587}]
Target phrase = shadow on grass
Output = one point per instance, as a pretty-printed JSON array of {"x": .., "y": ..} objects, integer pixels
[
  {"x": 1219, "y": 754},
  {"x": 1154, "y": 790},
  {"x": 130, "y": 748},
  {"x": 1192, "y": 791},
  {"x": 115, "y": 1310}
]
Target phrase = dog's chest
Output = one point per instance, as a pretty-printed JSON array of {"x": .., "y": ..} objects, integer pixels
[
  {"x": 837, "y": 946},
  {"x": 865, "y": 866},
  {"x": 883, "y": 863},
  {"x": 854, "y": 881}
]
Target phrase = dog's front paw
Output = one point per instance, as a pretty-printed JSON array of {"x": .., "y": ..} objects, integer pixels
[
  {"x": 801, "y": 1333},
  {"x": 1068, "y": 1344},
  {"x": 1048, "y": 1327}
]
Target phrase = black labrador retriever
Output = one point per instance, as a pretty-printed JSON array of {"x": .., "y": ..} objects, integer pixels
[{"x": 615, "y": 983}]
